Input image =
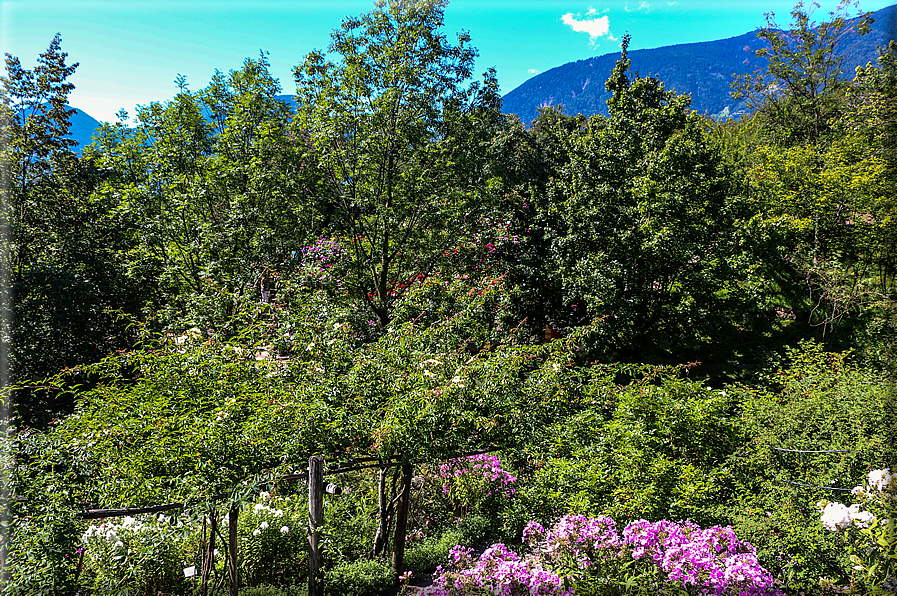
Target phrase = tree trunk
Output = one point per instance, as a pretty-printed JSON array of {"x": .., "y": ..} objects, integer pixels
[{"x": 398, "y": 553}]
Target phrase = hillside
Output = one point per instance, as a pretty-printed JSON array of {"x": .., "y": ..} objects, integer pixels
[{"x": 703, "y": 69}]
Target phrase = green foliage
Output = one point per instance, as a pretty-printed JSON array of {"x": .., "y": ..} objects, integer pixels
[
  {"x": 359, "y": 578},
  {"x": 41, "y": 534},
  {"x": 650, "y": 449},
  {"x": 431, "y": 551},
  {"x": 217, "y": 180},
  {"x": 265, "y": 590},
  {"x": 819, "y": 402},
  {"x": 642, "y": 235}
]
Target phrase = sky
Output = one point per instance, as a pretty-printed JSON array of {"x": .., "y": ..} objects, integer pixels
[{"x": 130, "y": 51}]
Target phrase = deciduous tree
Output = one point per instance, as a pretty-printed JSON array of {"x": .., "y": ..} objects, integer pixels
[{"x": 398, "y": 132}]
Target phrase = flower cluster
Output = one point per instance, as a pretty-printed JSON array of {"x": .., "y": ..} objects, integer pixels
[
  {"x": 272, "y": 544},
  {"x": 136, "y": 552},
  {"x": 497, "y": 571},
  {"x": 320, "y": 260},
  {"x": 119, "y": 533},
  {"x": 682, "y": 556},
  {"x": 483, "y": 467},
  {"x": 711, "y": 558},
  {"x": 865, "y": 532}
]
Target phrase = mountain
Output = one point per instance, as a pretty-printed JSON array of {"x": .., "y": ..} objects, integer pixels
[
  {"x": 703, "y": 69},
  {"x": 82, "y": 127}
]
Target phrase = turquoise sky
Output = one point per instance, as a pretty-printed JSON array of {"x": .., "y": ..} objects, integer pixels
[{"x": 131, "y": 50}]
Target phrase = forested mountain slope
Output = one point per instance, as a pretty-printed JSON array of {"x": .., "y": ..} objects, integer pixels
[{"x": 705, "y": 70}]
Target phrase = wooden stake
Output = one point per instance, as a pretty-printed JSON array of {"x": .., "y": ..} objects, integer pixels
[
  {"x": 232, "y": 563},
  {"x": 398, "y": 552},
  {"x": 315, "y": 521}
]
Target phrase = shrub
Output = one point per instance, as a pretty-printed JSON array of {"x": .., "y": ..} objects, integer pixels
[
  {"x": 141, "y": 555},
  {"x": 359, "y": 578},
  {"x": 272, "y": 541}
]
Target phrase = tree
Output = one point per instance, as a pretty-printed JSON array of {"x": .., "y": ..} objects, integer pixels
[
  {"x": 63, "y": 250},
  {"x": 218, "y": 182},
  {"x": 643, "y": 237},
  {"x": 399, "y": 140},
  {"x": 799, "y": 92},
  {"x": 34, "y": 120}
]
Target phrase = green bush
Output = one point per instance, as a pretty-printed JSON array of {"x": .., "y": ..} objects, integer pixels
[
  {"x": 266, "y": 590},
  {"x": 650, "y": 449},
  {"x": 818, "y": 401},
  {"x": 359, "y": 578},
  {"x": 273, "y": 541},
  {"x": 433, "y": 551}
]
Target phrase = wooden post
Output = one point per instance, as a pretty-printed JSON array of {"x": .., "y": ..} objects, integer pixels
[
  {"x": 208, "y": 560},
  {"x": 315, "y": 521},
  {"x": 233, "y": 570},
  {"x": 398, "y": 552}
]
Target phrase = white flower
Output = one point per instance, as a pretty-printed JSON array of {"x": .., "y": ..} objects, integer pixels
[
  {"x": 258, "y": 507},
  {"x": 278, "y": 513},
  {"x": 264, "y": 525},
  {"x": 119, "y": 545},
  {"x": 284, "y": 529},
  {"x": 880, "y": 479},
  {"x": 860, "y": 518},
  {"x": 857, "y": 490},
  {"x": 256, "y": 532},
  {"x": 428, "y": 374},
  {"x": 836, "y": 517}
]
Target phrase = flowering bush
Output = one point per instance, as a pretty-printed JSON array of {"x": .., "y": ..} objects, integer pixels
[
  {"x": 468, "y": 481},
  {"x": 871, "y": 538},
  {"x": 583, "y": 555},
  {"x": 272, "y": 540},
  {"x": 497, "y": 571},
  {"x": 140, "y": 555}
]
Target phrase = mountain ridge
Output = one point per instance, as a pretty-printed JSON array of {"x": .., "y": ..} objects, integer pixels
[{"x": 703, "y": 69}]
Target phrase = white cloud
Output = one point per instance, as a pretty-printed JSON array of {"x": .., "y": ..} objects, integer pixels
[
  {"x": 596, "y": 27},
  {"x": 533, "y": 71}
]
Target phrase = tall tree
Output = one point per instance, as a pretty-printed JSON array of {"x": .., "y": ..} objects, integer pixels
[
  {"x": 61, "y": 252},
  {"x": 34, "y": 124},
  {"x": 643, "y": 236},
  {"x": 399, "y": 138},
  {"x": 799, "y": 92}
]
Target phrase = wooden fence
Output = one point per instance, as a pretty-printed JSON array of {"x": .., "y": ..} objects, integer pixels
[{"x": 316, "y": 491}]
